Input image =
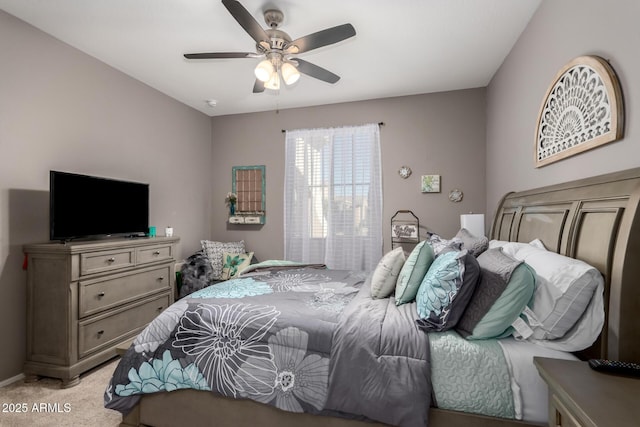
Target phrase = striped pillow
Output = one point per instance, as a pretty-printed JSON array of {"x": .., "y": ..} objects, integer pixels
[{"x": 565, "y": 287}]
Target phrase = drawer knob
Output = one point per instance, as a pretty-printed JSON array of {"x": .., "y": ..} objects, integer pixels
[
  {"x": 100, "y": 333},
  {"x": 160, "y": 308},
  {"x": 160, "y": 279},
  {"x": 156, "y": 252},
  {"x": 112, "y": 259},
  {"x": 101, "y": 294}
]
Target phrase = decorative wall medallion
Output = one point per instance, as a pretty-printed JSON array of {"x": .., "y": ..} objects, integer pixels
[
  {"x": 582, "y": 109},
  {"x": 455, "y": 195},
  {"x": 404, "y": 172}
]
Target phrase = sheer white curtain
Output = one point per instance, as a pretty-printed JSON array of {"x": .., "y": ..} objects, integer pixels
[{"x": 333, "y": 197}]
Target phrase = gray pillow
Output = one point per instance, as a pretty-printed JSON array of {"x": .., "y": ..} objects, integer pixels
[
  {"x": 505, "y": 288},
  {"x": 441, "y": 245},
  {"x": 474, "y": 244}
]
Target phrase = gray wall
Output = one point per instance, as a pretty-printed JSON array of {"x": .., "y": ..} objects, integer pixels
[
  {"x": 558, "y": 32},
  {"x": 61, "y": 109},
  {"x": 441, "y": 133}
]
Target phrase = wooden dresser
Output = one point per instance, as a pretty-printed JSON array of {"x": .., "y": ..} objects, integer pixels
[
  {"x": 582, "y": 397},
  {"x": 85, "y": 298}
]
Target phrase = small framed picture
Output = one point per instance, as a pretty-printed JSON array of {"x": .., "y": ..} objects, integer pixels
[
  {"x": 404, "y": 231},
  {"x": 430, "y": 183}
]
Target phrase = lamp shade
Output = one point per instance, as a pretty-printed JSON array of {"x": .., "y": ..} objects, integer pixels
[
  {"x": 274, "y": 82},
  {"x": 474, "y": 223},
  {"x": 264, "y": 70},
  {"x": 290, "y": 74}
]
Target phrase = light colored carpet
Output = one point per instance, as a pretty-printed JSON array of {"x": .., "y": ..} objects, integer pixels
[{"x": 81, "y": 405}]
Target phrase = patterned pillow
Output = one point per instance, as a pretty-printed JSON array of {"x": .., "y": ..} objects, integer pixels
[
  {"x": 196, "y": 274},
  {"x": 413, "y": 271},
  {"x": 441, "y": 245},
  {"x": 475, "y": 245},
  {"x": 214, "y": 251},
  {"x": 234, "y": 264},
  {"x": 385, "y": 276},
  {"x": 446, "y": 290},
  {"x": 505, "y": 288}
]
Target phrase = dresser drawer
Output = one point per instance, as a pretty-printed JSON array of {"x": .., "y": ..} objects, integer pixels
[
  {"x": 97, "y": 262},
  {"x": 110, "y": 291},
  {"x": 108, "y": 329},
  {"x": 150, "y": 254}
]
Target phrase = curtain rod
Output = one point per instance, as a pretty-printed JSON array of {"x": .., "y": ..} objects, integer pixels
[{"x": 379, "y": 124}]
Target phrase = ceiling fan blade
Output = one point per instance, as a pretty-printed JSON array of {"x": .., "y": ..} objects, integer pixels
[
  {"x": 315, "y": 71},
  {"x": 321, "y": 38},
  {"x": 245, "y": 20},
  {"x": 221, "y": 55},
  {"x": 258, "y": 86}
]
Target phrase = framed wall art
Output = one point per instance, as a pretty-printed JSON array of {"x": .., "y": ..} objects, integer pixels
[
  {"x": 582, "y": 109},
  {"x": 405, "y": 230},
  {"x": 430, "y": 183}
]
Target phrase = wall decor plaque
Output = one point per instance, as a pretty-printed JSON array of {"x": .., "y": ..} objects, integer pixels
[
  {"x": 430, "y": 183},
  {"x": 582, "y": 109}
]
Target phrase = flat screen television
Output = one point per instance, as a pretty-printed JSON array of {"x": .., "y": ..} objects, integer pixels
[{"x": 82, "y": 206}]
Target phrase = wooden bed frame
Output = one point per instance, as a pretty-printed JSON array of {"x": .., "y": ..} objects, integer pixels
[{"x": 595, "y": 220}]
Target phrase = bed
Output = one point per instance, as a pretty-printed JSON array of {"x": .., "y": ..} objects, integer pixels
[{"x": 595, "y": 220}]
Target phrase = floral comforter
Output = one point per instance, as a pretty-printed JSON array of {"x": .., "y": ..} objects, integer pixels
[{"x": 300, "y": 339}]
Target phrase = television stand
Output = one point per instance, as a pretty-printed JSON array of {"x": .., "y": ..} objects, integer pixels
[{"x": 86, "y": 298}]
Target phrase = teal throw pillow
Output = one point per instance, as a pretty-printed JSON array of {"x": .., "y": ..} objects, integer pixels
[
  {"x": 505, "y": 288},
  {"x": 507, "y": 308},
  {"x": 413, "y": 271}
]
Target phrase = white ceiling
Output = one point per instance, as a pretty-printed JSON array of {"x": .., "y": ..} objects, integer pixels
[{"x": 401, "y": 47}]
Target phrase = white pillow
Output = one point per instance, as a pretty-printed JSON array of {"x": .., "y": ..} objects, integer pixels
[
  {"x": 500, "y": 243},
  {"x": 585, "y": 331},
  {"x": 383, "y": 281},
  {"x": 565, "y": 287},
  {"x": 497, "y": 243}
]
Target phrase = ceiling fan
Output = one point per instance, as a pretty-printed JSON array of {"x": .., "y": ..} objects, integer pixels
[{"x": 277, "y": 49}]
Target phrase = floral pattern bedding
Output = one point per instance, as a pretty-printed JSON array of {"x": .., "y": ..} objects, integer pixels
[{"x": 300, "y": 339}]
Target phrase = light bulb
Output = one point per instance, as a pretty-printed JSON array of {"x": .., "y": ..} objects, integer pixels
[
  {"x": 290, "y": 74},
  {"x": 264, "y": 70},
  {"x": 273, "y": 83}
]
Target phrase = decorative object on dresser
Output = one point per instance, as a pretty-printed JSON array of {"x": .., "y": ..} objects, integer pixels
[
  {"x": 582, "y": 397},
  {"x": 248, "y": 195},
  {"x": 582, "y": 109},
  {"x": 85, "y": 298}
]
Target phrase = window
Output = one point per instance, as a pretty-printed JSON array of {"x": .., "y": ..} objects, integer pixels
[{"x": 333, "y": 197}]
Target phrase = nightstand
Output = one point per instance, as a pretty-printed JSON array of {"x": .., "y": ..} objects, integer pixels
[{"x": 582, "y": 397}]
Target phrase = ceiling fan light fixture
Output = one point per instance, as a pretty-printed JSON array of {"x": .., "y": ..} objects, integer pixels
[
  {"x": 290, "y": 73},
  {"x": 273, "y": 83},
  {"x": 264, "y": 71}
]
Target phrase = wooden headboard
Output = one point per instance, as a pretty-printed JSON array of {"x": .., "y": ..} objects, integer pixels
[{"x": 596, "y": 220}]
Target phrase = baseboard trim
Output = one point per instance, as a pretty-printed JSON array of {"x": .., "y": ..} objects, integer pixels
[{"x": 12, "y": 380}]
